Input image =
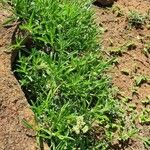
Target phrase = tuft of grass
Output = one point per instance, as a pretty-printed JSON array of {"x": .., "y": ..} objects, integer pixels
[
  {"x": 136, "y": 19},
  {"x": 146, "y": 101},
  {"x": 117, "y": 10},
  {"x": 140, "y": 79},
  {"x": 146, "y": 49},
  {"x": 144, "y": 116}
]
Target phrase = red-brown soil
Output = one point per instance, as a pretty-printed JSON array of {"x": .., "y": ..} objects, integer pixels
[
  {"x": 118, "y": 33},
  {"x": 13, "y": 104}
]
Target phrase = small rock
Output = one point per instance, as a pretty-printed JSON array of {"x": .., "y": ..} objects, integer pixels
[{"x": 105, "y": 2}]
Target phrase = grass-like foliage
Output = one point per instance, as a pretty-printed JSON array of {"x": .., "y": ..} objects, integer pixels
[
  {"x": 57, "y": 25},
  {"x": 69, "y": 90},
  {"x": 136, "y": 19},
  {"x": 63, "y": 74}
]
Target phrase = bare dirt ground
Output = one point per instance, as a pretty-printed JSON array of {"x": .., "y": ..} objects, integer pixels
[
  {"x": 131, "y": 62},
  {"x": 118, "y": 34},
  {"x": 13, "y": 104}
]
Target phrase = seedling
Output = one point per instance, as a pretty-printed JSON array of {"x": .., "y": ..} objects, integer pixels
[
  {"x": 115, "y": 61},
  {"x": 134, "y": 90},
  {"x": 128, "y": 134},
  {"x": 146, "y": 49},
  {"x": 117, "y": 10},
  {"x": 111, "y": 42},
  {"x": 132, "y": 106},
  {"x": 10, "y": 21},
  {"x": 116, "y": 50},
  {"x": 127, "y": 99},
  {"x": 148, "y": 16},
  {"x": 146, "y": 142},
  {"x": 146, "y": 101},
  {"x": 136, "y": 19},
  {"x": 122, "y": 48},
  {"x": 144, "y": 117},
  {"x": 141, "y": 79}
]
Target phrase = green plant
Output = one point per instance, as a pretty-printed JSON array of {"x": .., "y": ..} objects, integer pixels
[
  {"x": 116, "y": 51},
  {"x": 136, "y": 19},
  {"x": 144, "y": 117},
  {"x": 117, "y": 10},
  {"x": 146, "y": 101},
  {"x": 146, "y": 49},
  {"x": 121, "y": 48},
  {"x": 146, "y": 142},
  {"x": 141, "y": 79},
  {"x": 57, "y": 25},
  {"x": 61, "y": 88},
  {"x": 62, "y": 72}
]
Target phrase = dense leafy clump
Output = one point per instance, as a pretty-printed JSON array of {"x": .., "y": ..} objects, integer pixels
[
  {"x": 63, "y": 74},
  {"x": 66, "y": 91},
  {"x": 57, "y": 25},
  {"x": 136, "y": 19}
]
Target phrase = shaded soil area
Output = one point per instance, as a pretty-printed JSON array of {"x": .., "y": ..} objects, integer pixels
[
  {"x": 13, "y": 104},
  {"x": 127, "y": 45}
]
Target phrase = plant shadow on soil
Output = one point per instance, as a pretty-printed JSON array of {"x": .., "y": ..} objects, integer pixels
[{"x": 14, "y": 61}]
